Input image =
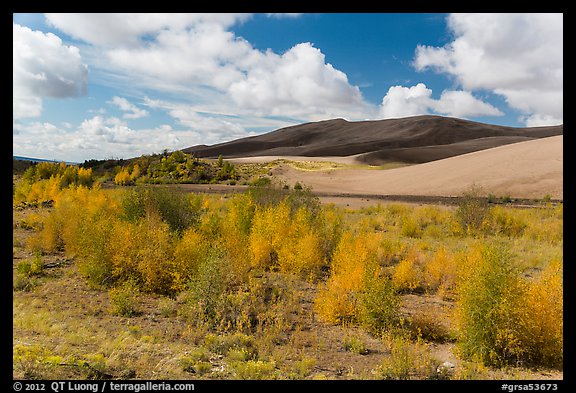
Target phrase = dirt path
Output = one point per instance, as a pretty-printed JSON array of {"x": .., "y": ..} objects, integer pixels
[{"x": 356, "y": 200}]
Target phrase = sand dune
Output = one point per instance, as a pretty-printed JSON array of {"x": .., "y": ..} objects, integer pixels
[
  {"x": 530, "y": 169},
  {"x": 414, "y": 139}
]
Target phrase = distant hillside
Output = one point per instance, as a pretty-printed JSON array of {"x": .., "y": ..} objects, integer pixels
[
  {"x": 40, "y": 160},
  {"x": 415, "y": 139}
]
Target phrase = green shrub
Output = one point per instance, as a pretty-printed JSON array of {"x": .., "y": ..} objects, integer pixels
[
  {"x": 174, "y": 207},
  {"x": 31, "y": 267},
  {"x": 472, "y": 211},
  {"x": 355, "y": 345},
  {"x": 302, "y": 368},
  {"x": 235, "y": 345},
  {"x": 380, "y": 307},
  {"x": 489, "y": 307},
  {"x": 124, "y": 299},
  {"x": 207, "y": 288},
  {"x": 254, "y": 369},
  {"x": 23, "y": 282},
  {"x": 407, "y": 360}
]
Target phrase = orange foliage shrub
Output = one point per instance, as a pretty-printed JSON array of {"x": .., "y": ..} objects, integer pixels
[
  {"x": 143, "y": 251},
  {"x": 440, "y": 271},
  {"x": 408, "y": 275},
  {"x": 122, "y": 178},
  {"x": 338, "y": 299},
  {"x": 189, "y": 252},
  {"x": 543, "y": 323},
  {"x": 270, "y": 226},
  {"x": 300, "y": 250}
]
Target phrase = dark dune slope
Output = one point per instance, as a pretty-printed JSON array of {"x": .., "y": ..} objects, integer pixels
[{"x": 415, "y": 139}]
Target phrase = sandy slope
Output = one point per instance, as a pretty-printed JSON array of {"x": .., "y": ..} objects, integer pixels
[
  {"x": 415, "y": 139},
  {"x": 529, "y": 169}
]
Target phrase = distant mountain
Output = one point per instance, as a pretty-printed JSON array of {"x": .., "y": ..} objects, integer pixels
[
  {"x": 414, "y": 139},
  {"x": 40, "y": 160}
]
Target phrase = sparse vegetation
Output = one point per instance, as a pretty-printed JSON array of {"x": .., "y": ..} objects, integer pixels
[{"x": 270, "y": 284}]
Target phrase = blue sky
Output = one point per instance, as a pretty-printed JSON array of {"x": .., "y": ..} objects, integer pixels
[{"x": 121, "y": 85}]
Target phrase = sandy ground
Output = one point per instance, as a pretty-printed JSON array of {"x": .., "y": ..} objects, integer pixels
[
  {"x": 531, "y": 169},
  {"x": 347, "y": 160}
]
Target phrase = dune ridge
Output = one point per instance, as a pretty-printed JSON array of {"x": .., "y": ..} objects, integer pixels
[
  {"x": 530, "y": 169},
  {"x": 416, "y": 139}
]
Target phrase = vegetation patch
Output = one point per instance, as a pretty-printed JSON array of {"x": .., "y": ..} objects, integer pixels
[{"x": 271, "y": 284}]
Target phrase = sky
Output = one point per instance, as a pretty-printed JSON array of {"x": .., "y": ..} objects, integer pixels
[{"x": 101, "y": 86}]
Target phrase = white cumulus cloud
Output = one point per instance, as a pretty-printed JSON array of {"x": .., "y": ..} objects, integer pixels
[
  {"x": 199, "y": 52},
  {"x": 518, "y": 56},
  {"x": 296, "y": 83},
  {"x": 43, "y": 67},
  {"x": 401, "y": 101},
  {"x": 459, "y": 103}
]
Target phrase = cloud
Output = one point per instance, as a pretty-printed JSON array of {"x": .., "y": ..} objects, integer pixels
[
  {"x": 198, "y": 51},
  {"x": 518, "y": 56},
  {"x": 213, "y": 128},
  {"x": 43, "y": 67},
  {"x": 459, "y": 103},
  {"x": 131, "y": 110},
  {"x": 297, "y": 83},
  {"x": 133, "y": 29},
  {"x": 97, "y": 137},
  {"x": 403, "y": 101},
  {"x": 283, "y": 15}
]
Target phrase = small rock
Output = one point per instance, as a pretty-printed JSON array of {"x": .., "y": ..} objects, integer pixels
[{"x": 445, "y": 369}]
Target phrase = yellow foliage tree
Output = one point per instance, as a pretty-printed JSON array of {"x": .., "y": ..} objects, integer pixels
[
  {"x": 135, "y": 173},
  {"x": 122, "y": 178},
  {"x": 85, "y": 176}
]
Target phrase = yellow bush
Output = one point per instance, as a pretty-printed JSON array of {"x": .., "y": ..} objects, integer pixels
[
  {"x": 490, "y": 307},
  {"x": 122, "y": 178},
  {"x": 508, "y": 222},
  {"x": 85, "y": 176},
  {"x": 546, "y": 225},
  {"x": 79, "y": 209},
  {"x": 135, "y": 173},
  {"x": 234, "y": 235},
  {"x": 440, "y": 271},
  {"x": 408, "y": 275},
  {"x": 300, "y": 250},
  {"x": 270, "y": 226},
  {"x": 155, "y": 253},
  {"x": 338, "y": 299},
  {"x": 239, "y": 214},
  {"x": 44, "y": 181},
  {"x": 143, "y": 251},
  {"x": 123, "y": 248},
  {"x": 543, "y": 323},
  {"x": 49, "y": 239},
  {"x": 189, "y": 252}
]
